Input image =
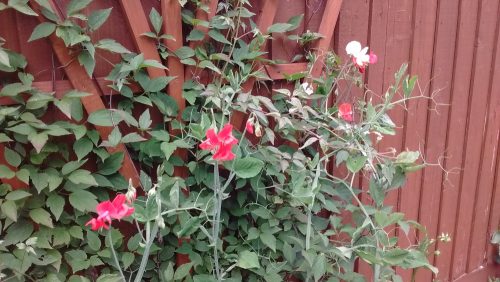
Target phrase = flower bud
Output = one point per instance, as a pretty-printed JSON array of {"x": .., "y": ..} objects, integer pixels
[
  {"x": 152, "y": 192},
  {"x": 258, "y": 130},
  {"x": 160, "y": 221}
]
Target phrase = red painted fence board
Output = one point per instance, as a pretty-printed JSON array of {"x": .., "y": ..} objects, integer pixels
[{"x": 453, "y": 45}]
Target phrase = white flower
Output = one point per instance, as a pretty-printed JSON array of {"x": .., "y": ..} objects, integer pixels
[
  {"x": 360, "y": 55},
  {"x": 307, "y": 88}
]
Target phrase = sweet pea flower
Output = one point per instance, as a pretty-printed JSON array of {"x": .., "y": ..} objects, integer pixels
[
  {"x": 221, "y": 144},
  {"x": 359, "y": 55},
  {"x": 345, "y": 111},
  {"x": 249, "y": 126},
  {"x": 307, "y": 88},
  {"x": 107, "y": 211}
]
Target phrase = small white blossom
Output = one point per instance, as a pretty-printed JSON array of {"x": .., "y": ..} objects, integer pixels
[{"x": 307, "y": 88}]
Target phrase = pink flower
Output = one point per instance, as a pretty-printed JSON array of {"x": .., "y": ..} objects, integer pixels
[
  {"x": 107, "y": 211},
  {"x": 345, "y": 111},
  {"x": 97, "y": 224},
  {"x": 249, "y": 126},
  {"x": 221, "y": 143},
  {"x": 359, "y": 55}
]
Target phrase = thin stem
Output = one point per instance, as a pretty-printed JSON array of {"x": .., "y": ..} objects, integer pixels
[
  {"x": 308, "y": 233},
  {"x": 216, "y": 220},
  {"x": 145, "y": 257},
  {"x": 115, "y": 257}
]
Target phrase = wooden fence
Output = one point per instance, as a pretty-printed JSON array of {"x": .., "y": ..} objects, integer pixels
[{"x": 451, "y": 44}]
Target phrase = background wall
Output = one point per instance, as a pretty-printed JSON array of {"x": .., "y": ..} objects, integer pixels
[{"x": 452, "y": 45}]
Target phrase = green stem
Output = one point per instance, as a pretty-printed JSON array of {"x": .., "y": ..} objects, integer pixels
[
  {"x": 308, "y": 233},
  {"x": 115, "y": 257},
  {"x": 150, "y": 235},
  {"x": 216, "y": 221}
]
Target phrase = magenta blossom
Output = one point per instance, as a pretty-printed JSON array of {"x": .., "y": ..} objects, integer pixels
[
  {"x": 220, "y": 143},
  {"x": 107, "y": 211},
  {"x": 345, "y": 111}
]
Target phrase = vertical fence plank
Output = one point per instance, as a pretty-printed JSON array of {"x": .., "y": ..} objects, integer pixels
[
  {"x": 421, "y": 49},
  {"x": 485, "y": 35},
  {"x": 437, "y": 123},
  {"x": 464, "y": 49},
  {"x": 480, "y": 235}
]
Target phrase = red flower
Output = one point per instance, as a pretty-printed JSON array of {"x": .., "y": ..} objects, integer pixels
[
  {"x": 345, "y": 111},
  {"x": 221, "y": 143},
  {"x": 249, "y": 126},
  {"x": 97, "y": 224},
  {"x": 107, "y": 211}
]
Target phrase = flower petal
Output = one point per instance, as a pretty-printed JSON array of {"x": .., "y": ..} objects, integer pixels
[
  {"x": 373, "y": 58},
  {"x": 353, "y": 48},
  {"x": 249, "y": 127}
]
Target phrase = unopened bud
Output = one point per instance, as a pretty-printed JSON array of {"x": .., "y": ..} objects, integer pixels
[
  {"x": 131, "y": 192},
  {"x": 258, "y": 130},
  {"x": 160, "y": 221},
  {"x": 152, "y": 192}
]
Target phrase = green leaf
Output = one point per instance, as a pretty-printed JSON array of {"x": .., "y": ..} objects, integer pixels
[
  {"x": 407, "y": 157},
  {"x": 42, "y": 30},
  {"x": 156, "y": 20},
  {"x": 145, "y": 120},
  {"x": 110, "y": 278},
  {"x": 132, "y": 138},
  {"x": 195, "y": 35},
  {"x": 248, "y": 260},
  {"x": 41, "y": 216},
  {"x": 6, "y": 172},
  {"x": 295, "y": 21},
  {"x": 184, "y": 52},
  {"x": 269, "y": 240},
  {"x": 9, "y": 208},
  {"x": 217, "y": 36},
  {"x": 279, "y": 27},
  {"x": 395, "y": 256},
  {"x": 82, "y": 147},
  {"x": 127, "y": 259},
  {"x": 12, "y": 157},
  {"x": 72, "y": 166},
  {"x": 112, "y": 46},
  {"x": 77, "y": 259},
  {"x": 76, "y": 5},
  {"x": 182, "y": 271},
  {"x": 319, "y": 267},
  {"x": 105, "y": 117},
  {"x": 112, "y": 164},
  {"x": 83, "y": 200},
  {"x": 247, "y": 167},
  {"x": 56, "y": 205},
  {"x": 86, "y": 60},
  {"x": 356, "y": 163},
  {"x": 98, "y": 18},
  {"x": 23, "y": 175},
  {"x": 22, "y": 7},
  {"x": 17, "y": 195},
  {"x": 168, "y": 149},
  {"x": 93, "y": 241},
  {"x": 38, "y": 140},
  {"x": 82, "y": 176},
  {"x": 4, "y": 58}
]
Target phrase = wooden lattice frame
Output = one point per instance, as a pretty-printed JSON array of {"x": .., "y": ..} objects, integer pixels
[{"x": 138, "y": 24}]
